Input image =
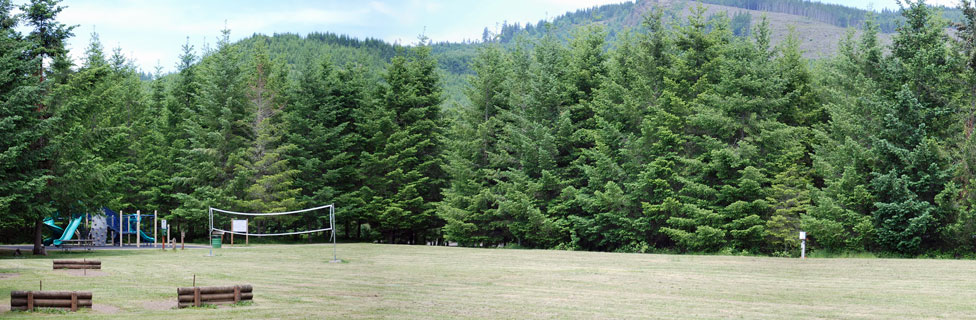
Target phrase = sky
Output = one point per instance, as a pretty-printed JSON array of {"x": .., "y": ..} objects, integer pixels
[{"x": 151, "y": 32}]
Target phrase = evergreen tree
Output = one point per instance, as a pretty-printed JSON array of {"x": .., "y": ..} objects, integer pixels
[
  {"x": 152, "y": 149},
  {"x": 267, "y": 176},
  {"x": 913, "y": 169},
  {"x": 46, "y": 38},
  {"x": 218, "y": 130},
  {"x": 413, "y": 151},
  {"x": 324, "y": 126},
  {"x": 473, "y": 161},
  {"x": 23, "y": 178}
]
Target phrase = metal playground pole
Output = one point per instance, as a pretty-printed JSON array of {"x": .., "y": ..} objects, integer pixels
[{"x": 210, "y": 233}]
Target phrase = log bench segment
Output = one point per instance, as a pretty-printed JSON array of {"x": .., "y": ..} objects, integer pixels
[
  {"x": 197, "y": 296},
  {"x": 30, "y": 300},
  {"x": 77, "y": 264}
]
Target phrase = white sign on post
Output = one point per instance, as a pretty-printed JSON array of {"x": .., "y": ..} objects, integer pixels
[
  {"x": 239, "y": 226},
  {"x": 163, "y": 223},
  {"x": 803, "y": 244}
]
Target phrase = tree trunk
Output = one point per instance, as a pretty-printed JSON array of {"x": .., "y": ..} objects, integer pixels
[{"x": 38, "y": 238}]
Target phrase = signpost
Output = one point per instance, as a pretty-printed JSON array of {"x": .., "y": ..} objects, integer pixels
[
  {"x": 138, "y": 229},
  {"x": 163, "y": 223},
  {"x": 803, "y": 244}
]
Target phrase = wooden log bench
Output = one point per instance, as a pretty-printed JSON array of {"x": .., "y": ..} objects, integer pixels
[
  {"x": 77, "y": 264},
  {"x": 30, "y": 300},
  {"x": 197, "y": 296}
]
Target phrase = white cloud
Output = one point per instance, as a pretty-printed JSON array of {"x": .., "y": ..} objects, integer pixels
[{"x": 382, "y": 8}]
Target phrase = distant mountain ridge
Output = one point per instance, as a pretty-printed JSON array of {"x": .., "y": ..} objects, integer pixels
[{"x": 820, "y": 28}]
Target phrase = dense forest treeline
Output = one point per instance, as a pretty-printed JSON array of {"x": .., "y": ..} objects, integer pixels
[{"x": 682, "y": 138}]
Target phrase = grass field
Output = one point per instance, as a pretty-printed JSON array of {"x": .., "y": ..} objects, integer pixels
[{"x": 391, "y": 281}]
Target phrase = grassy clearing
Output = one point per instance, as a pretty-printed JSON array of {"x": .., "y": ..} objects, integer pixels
[{"x": 391, "y": 281}]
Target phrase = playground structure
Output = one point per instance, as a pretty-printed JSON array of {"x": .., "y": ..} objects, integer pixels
[
  {"x": 123, "y": 225},
  {"x": 98, "y": 229}
]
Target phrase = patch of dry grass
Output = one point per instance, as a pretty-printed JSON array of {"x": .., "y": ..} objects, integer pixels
[{"x": 391, "y": 281}]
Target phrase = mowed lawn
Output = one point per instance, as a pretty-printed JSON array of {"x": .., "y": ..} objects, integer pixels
[{"x": 396, "y": 281}]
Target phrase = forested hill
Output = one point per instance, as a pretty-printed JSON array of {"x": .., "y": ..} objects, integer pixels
[
  {"x": 819, "y": 28},
  {"x": 300, "y": 51}
]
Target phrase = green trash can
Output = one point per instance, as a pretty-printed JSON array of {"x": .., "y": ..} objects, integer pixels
[{"x": 215, "y": 241}]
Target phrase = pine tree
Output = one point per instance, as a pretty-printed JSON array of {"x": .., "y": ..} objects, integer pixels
[
  {"x": 912, "y": 169},
  {"x": 92, "y": 162},
  {"x": 324, "y": 123},
  {"x": 964, "y": 226},
  {"x": 22, "y": 177},
  {"x": 181, "y": 108},
  {"x": 217, "y": 134},
  {"x": 152, "y": 149},
  {"x": 470, "y": 208},
  {"x": 841, "y": 214},
  {"x": 413, "y": 152},
  {"x": 266, "y": 174},
  {"x": 46, "y": 40}
]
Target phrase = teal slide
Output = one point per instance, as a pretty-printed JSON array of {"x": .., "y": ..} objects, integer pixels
[
  {"x": 145, "y": 237},
  {"x": 55, "y": 229},
  {"x": 49, "y": 222},
  {"x": 70, "y": 231}
]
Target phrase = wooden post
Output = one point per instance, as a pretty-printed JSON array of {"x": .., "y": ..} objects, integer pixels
[
  {"x": 182, "y": 236},
  {"x": 247, "y": 233},
  {"x": 138, "y": 228},
  {"x": 167, "y": 238},
  {"x": 155, "y": 226},
  {"x": 196, "y": 296},
  {"x": 30, "y": 300},
  {"x": 121, "y": 230},
  {"x": 74, "y": 301},
  {"x": 237, "y": 294},
  {"x": 232, "y": 239}
]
